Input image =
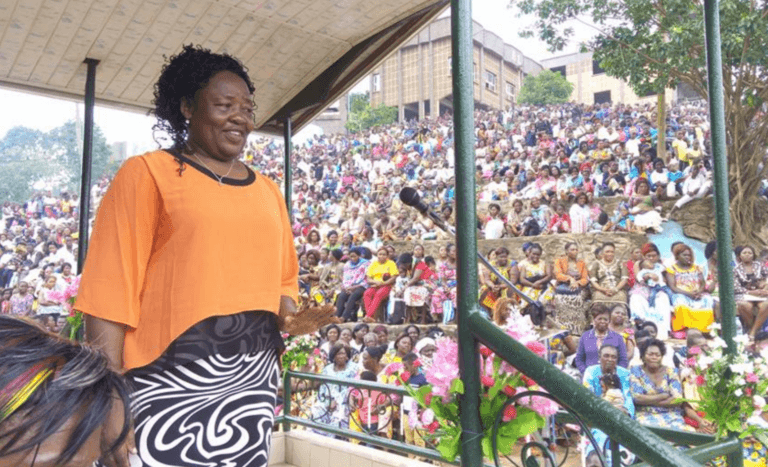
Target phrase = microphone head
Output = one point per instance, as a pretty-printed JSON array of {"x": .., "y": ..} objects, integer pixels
[{"x": 409, "y": 196}]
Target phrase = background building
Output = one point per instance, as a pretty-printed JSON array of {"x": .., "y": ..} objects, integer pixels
[
  {"x": 417, "y": 77},
  {"x": 590, "y": 83}
]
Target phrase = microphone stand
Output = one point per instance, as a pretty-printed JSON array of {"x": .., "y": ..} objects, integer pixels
[{"x": 537, "y": 312}]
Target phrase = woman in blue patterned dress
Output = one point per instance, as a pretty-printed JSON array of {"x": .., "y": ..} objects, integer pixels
[{"x": 656, "y": 390}]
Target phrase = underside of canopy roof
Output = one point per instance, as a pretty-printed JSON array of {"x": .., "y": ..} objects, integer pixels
[{"x": 302, "y": 55}]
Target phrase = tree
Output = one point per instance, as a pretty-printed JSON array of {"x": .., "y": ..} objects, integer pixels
[
  {"x": 28, "y": 157},
  {"x": 657, "y": 44},
  {"x": 363, "y": 116},
  {"x": 548, "y": 87}
]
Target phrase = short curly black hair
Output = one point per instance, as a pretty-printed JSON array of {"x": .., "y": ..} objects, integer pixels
[{"x": 181, "y": 78}]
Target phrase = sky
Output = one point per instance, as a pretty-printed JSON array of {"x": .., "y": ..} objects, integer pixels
[{"x": 45, "y": 113}]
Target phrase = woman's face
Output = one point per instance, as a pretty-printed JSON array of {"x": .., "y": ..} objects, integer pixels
[
  {"x": 354, "y": 257},
  {"x": 442, "y": 252},
  {"x": 418, "y": 251},
  {"x": 404, "y": 346},
  {"x": 382, "y": 256},
  {"x": 651, "y": 331},
  {"x": 747, "y": 255},
  {"x": 360, "y": 333},
  {"x": 636, "y": 255},
  {"x": 6, "y": 294},
  {"x": 652, "y": 357},
  {"x": 428, "y": 351},
  {"x": 346, "y": 336},
  {"x": 652, "y": 257},
  {"x": 642, "y": 188},
  {"x": 618, "y": 315},
  {"x": 601, "y": 321},
  {"x": 534, "y": 255},
  {"x": 572, "y": 251},
  {"x": 333, "y": 238},
  {"x": 609, "y": 253},
  {"x": 685, "y": 257},
  {"x": 383, "y": 337},
  {"x": 609, "y": 358},
  {"x": 413, "y": 333},
  {"x": 333, "y": 335},
  {"x": 23, "y": 287},
  {"x": 581, "y": 200},
  {"x": 314, "y": 237},
  {"x": 346, "y": 239},
  {"x": 341, "y": 358},
  {"x": 452, "y": 252},
  {"x": 221, "y": 118},
  {"x": 50, "y": 282},
  {"x": 368, "y": 363}
]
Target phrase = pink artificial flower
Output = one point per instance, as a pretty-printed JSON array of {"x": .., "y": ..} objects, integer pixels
[
  {"x": 405, "y": 376},
  {"x": 510, "y": 413},
  {"x": 428, "y": 399},
  {"x": 432, "y": 427},
  {"x": 487, "y": 381},
  {"x": 445, "y": 366},
  {"x": 700, "y": 380},
  {"x": 393, "y": 368},
  {"x": 752, "y": 378},
  {"x": 690, "y": 362},
  {"x": 509, "y": 391},
  {"x": 695, "y": 350},
  {"x": 537, "y": 348},
  {"x": 541, "y": 405},
  {"x": 316, "y": 351},
  {"x": 485, "y": 351}
]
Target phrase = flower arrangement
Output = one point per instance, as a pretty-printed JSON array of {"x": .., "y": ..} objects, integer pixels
[
  {"x": 67, "y": 298},
  {"x": 298, "y": 349},
  {"x": 731, "y": 389},
  {"x": 439, "y": 400}
]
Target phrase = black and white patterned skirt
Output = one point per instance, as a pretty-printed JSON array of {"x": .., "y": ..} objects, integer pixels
[{"x": 210, "y": 400}]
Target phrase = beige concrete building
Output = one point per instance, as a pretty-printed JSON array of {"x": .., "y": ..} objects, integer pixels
[
  {"x": 590, "y": 83},
  {"x": 417, "y": 77}
]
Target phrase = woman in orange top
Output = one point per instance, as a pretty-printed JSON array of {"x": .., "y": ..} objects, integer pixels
[
  {"x": 571, "y": 289},
  {"x": 192, "y": 274}
]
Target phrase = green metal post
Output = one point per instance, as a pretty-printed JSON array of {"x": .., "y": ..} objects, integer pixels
[
  {"x": 721, "y": 197},
  {"x": 466, "y": 231},
  {"x": 286, "y": 400},
  {"x": 287, "y": 169}
]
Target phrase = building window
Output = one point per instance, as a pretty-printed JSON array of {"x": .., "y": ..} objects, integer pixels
[
  {"x": 510, "y": 91},
  {"x": 559, "y": 69},
  {"x": 490, "y": 81},
  {"x": 376, "y": 79},
  {"x": 596, "y": 70},
  {"x": 603, "y": 97}
]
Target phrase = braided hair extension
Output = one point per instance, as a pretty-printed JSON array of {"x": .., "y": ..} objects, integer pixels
[{"x": 47, "y": 381}]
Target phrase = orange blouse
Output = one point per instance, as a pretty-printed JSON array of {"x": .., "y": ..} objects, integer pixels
[
  {"x": 169, "y": 251},
  {"x": 561, "y": 271}
]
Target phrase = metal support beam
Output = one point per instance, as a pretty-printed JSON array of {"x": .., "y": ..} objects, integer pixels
[
  {"x": 287, "y": 169},
  {"x": 466, "y": 238},
  {"x": 85, "y": 176},
  {"x": 721, "y": 195}
]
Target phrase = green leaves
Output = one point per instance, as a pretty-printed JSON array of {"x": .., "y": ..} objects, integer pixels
[
  {"x": 363, "y": 116},
  {"x": 548, "y": 87}
]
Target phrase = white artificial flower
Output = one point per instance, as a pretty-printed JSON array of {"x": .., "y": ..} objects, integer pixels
[
  {"x": 705, "y": 361},
  {"x": 738, "y": 368},
  {"x": 758, "y": 402},
  {"x": 718, "y": 343},
  {"x": 742, "y": 339},
  {"x": 738, "y": 392},
  {"x": 714, "y": 327}
]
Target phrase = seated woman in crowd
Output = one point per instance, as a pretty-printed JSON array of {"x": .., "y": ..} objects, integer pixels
[
  {"x": 645, "y": 206},
  {"x": 660, "y": 311},
  {"x": 621, "y": 325},
  {"x": 535, "y": 275},
  {"x": 611, "y": 382},
  {"x": 331, "y": 407},
  {"x": 693, "y": 307},
  {"x": 444, "y": 296},
  {"x": 516, "y": 219},
  {"x": 581, "y": 214},
  {"x": 493, "y": 288},
  {"x": 656, "y": 390},
  {"x": 353, "y": 286},
  {"x": 609, "y": 278},
  {"x": 600, "y": 335},
  {"x": 751, "y": 290},
  {"x": 571, "y": 290},
  {"x": 380, "y": 275},
  {"x": 560, "y": 221}
]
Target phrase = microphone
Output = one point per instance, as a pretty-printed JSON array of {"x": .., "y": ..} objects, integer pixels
[{"x": 410, "y": 197}]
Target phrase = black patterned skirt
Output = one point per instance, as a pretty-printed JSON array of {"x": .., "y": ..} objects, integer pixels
[{"x": 210, "y": 399}]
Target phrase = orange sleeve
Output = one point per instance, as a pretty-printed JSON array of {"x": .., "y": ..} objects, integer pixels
[
  {"x": 289, "y": 284},
  {"x": 584, "y": 273},
  {"x": 120, "y": 246},
  {"x": 560, "y": 273}
]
